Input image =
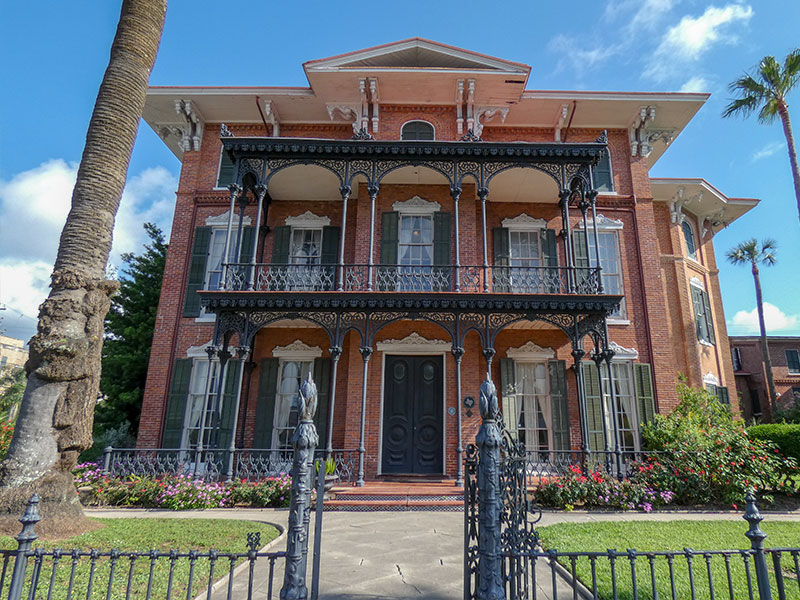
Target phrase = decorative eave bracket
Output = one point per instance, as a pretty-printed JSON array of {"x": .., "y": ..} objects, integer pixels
[
  {"x": 271, "y": 116},
  {"x": 643, "y": 135},
  {"x": 561, "y": 120},
  {"x": 488, "y": 113}
]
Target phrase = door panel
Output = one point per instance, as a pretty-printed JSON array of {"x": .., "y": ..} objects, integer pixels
[{"x": 412, "y": 415}]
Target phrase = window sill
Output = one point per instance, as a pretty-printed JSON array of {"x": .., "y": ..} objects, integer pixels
[
  {"x": 608, "y": 193},
  {"x": 618, "y": 321},
  {"x": 207, "y": 318},
  {"x": 705, "y": 343}
]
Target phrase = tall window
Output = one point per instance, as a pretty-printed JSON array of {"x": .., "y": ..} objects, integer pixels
[
  {"x": 736, "y": 356},
  {"x": 609, "y": 263},
  {"x": 533, "y": 411},
  {"x": 216, "y": 250},
  {"x": 225, "y": 174},
  {"x": 627, "y": 414},
  {"x": 417, "y": 130},
  {"x": 602, "y": 176},
  {"x": 793, "y": 361},
  {"x": 688, "y": 236},
  {"x": 287, "y": 407},
  {"x": 415, "y": 252},
  {"x": 305, "y": 251},
  {"x": 525, "y": 255},
  {"x": 195, "y": 414},
  {"x": 703, "y": 319}
]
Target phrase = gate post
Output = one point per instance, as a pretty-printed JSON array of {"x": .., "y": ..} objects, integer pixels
[
  {"x": 490, "y": 499},
  {"x": 304, "y": 441},
  {"x": 756, "y": 536},
  {"x": 25, "y": 538}
]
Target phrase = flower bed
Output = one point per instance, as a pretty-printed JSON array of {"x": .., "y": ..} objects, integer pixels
[{"x": 179, "y": 492}]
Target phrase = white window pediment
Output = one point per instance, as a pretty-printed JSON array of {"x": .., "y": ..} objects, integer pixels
[
  {"x": 297, "y": 350},
  {"x": 696, "y": 282},
  {"x": 308, "y": 220},
  {"x": 623, "y": 353},
  {"x": 414, "y": 343},
  {"x": 417, "y": 206},
  {"x": 524, "y": 223},
  {"x": 710, "y": 378},
  {"x": 603, "y": 223},
  {"x": 222, "y": 220},
  {"x": 198, "y": 351},
  {"x": 530, "y": 351}
]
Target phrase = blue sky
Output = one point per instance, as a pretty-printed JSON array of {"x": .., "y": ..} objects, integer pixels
[{"x": 60, "y": 50}]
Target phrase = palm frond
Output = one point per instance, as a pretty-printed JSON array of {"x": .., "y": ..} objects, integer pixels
[
  {"x": 742, "y": 106},
  {"x": 770, "y": 72},
  {"x": 791, "y": 65},
  {"x": 769, "y": 112},
  {"x": 744, "y": 252}
]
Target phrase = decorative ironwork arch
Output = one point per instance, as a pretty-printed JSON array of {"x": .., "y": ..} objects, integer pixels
[
  {"x": 278, "y": 165},
  {"x": 495, "y": 169},
  {"x": 384, "y": 168}
]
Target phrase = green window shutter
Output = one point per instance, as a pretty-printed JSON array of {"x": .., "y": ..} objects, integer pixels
[
  {"x": 282, "y": 236},
  {"x": 594, "y": 406},
  {"x": 322, "y": 377},
  {"x": 724, "y": 397},
  {"x": 441, "y": 249},
  {"x": 227, "y": 415},
  {"x": 501, "y": 278},
  {"x": 709, "y": 318},
  {"x": 248, "y": 237},
  {"x": 580, "y": 248},
  {"x": 559, "y": 403},
  {"x": 549, "y": 248},
  {"x": 176, "y": 403},
  {"x": 390, "y": 223},
  {"x": 226, "y": 170},
  {"x": 699, "y": 317},
  {"x": 265, "y": 406},
  {"x": 197, "y": 271},
  {"x": 603, "y": 182},
  {"x": 508, "y": 395},
  {"x": 643, "y": 380}
]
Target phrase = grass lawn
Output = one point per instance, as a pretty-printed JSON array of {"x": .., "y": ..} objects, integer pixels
[
  {"x": 140, "y": 535},
  {"x": 674, "y": 535}
]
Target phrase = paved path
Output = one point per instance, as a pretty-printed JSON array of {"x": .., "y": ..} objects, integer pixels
[{"x": 398, "y": 554}]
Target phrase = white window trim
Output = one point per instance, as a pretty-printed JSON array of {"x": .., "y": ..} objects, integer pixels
[
  {"x": 416, "y": 206},
  {"x": 710, "y": 378},
  {"x": 530, "y": 352},
  {"x": 417, "y": 121},
  {"x": 606, "y": 225},
  {"x": 308, "y": 220},
  {"x": 621, "y": 353},
  {"x": 603, "y": 223},
  {"x": 524, "y": 223},
  {"x": 539, "y": 357},
  {"x": 696, "y": 257},
  {"x": 294, "y": 352},
  {"x": 623, "y": 359},
  {"x": 414, "y": 343},
  {"x": 297, "y": 350},
  {"x": 698, "y": 283},
  {"x": 221, "y": 221}
]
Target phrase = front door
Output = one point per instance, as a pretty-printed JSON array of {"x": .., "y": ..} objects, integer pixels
[{"x": 412, "y": 415}]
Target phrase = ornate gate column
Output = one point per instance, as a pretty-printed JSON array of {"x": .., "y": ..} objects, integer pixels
[
  {"x": 490, "y": 498},
  {"x": 304, "y": 441}
]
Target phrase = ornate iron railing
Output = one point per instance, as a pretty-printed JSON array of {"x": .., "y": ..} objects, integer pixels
[
  {"x": 212, "y": 465},
  {"x": 412, "y": 278}
]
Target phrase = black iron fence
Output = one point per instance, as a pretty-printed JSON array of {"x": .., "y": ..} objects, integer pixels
[
  {"x": 506, "y": 279},
  {"x": 215, "y": 465}
]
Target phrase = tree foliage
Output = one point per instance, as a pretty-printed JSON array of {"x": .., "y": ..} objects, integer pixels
[
  {"x": 129, "y": 335},
  {"x": 12, "y": 386}
]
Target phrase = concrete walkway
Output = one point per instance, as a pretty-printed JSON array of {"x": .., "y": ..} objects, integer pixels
[{"x": 399, "y": 554}]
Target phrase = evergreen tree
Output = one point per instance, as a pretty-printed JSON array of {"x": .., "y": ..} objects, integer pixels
[{"x": 129, "y": 335}]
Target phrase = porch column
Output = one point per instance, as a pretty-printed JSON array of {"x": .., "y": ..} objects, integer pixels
[
  {"x": 458, "y": 354},
  {"x": 366, "y": 353},
  {"x": 242, "y": 353},
  {"x": 577, "y": 357},
  {"x": 608, "y": 355},
  {"x": 345, "y": 192},
  {"x": 455, "y": 192},
  {"x": 243, "y": 202},
  {"x": 488, "y": 354},
  {"x": 261, "y": 192},
  {"x": 373, "y": 194},
  {"x": 234, "y": 191},
  {"x": 483, "y": 194},
  {"x": 567, "y": 235},
  {"x": 336, "y": 353},
  {"x": 198, "y": 457}
]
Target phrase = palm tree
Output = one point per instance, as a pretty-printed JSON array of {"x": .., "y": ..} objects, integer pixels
[
  {"x": 767, "y": 93},
  {"x": 751, "y": 253},
  {"x": 55, "y": 418}
]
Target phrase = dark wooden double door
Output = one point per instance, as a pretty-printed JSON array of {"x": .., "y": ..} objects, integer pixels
[{"x": 413, "y": 426}]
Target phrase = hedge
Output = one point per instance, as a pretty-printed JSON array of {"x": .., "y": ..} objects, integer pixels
[{"x": 786, "y": 436}]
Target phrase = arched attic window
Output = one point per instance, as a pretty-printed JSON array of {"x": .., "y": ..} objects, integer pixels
[
  {"x": 417, "y": 130},
  {"x": 688, "y": 235}
]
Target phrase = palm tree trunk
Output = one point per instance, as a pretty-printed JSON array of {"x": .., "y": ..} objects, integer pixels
[
  {"x": 783, "y": 110},
  {"x": 55, "y": 421},
  {"x": 764, "y": 346}
]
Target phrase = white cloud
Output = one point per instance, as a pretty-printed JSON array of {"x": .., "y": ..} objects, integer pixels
[
  {"x": 34, "y": 205},
  {"x": 647, "y": 12},
  {"x": 581, "y": 59},
  {"x": 693, "y": 36},
  {"x": 768, "y": 151},
  {"x": 695, "y": 84},
  {"x": 775, "y": 320}
]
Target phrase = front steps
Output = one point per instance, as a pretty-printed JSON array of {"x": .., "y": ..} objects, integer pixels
[{"x": 398, "y": 495}]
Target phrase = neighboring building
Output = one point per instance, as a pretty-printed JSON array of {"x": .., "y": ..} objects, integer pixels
[
  {"x": 411, "y": 218},
  {"x": 12, "y": 352},
  {"x": 751, "y": 374}
]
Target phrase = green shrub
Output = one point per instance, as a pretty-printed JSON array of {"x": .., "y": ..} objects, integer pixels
[{"x": 786, "y": 436}]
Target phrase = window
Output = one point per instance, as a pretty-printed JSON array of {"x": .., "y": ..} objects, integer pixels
[
  {"x": 704, "y": 321},
  {"x": 287, "y": 408},
  {"x": 736, "y": 356},
  {"x": 226, "y": 171},
  {"x": 627, "y": 417},
  {"x": 417, "y": 130},
  {"x": 720, "y": 392},
  {"x": 610, "y": 264},
  {"x": 196, "y": 406},
  {"x": 305, "y": 251},
  {"x": 525, "y": 253},
  {"x": 533, "y": 418},
  {"x": 216, "y": 250},
  {"x": 755, "y": 402},
  {"x": 602, "y": 176},
  {"x": 3, "y": 361},
  {"x": 793, "y": 361},
  {"x": 415, "y": 252},
  {"x": 688, "y": 236}
]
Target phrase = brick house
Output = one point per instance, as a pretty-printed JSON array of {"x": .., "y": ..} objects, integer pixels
[
  {"x": 413, "y": 219},
  {"x": 750, "y": 373}
]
